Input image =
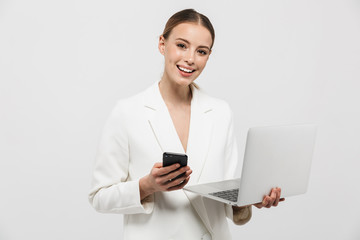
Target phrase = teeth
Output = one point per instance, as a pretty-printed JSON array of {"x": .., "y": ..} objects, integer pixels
[{"x": 185, "y": 70}]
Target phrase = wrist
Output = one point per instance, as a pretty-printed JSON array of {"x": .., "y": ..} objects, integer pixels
[
  {"x": 239, "y": 209},
  {"x": 145, "y": 189}
]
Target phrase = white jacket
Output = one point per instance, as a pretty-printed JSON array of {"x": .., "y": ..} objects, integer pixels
[{"x": 128, "y": 149}]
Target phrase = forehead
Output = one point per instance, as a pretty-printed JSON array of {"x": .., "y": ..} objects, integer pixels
[{"x": 193, "y": 32}]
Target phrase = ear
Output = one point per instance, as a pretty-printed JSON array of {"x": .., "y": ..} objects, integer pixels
[{"x": 161, "y": 44}]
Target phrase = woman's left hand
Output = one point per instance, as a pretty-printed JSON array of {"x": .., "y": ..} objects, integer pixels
[{"x": 271, "y": 200}]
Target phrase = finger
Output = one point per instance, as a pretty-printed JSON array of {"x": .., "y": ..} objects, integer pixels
[
  {"x": 265, "y": 201},
  {"x": 178, "y": 181},
  {"x": 183, "y": 183},
  {"x": 174, "y": 174},
  {"x": 278, "y": 193},
  {"x": 272, "y": 197},
  {"x": 269, "y": 201},
  {"x": 282, "y": 199},
  {"x": 168, "y": 178},
  {"x": 166, "y": 170},
  {"x": 155, "y": 170},
  {"x": 180, "y": 185},
  {"x": 158, "y": 165}
]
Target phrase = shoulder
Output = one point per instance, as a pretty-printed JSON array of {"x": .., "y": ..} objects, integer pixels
[
  {"x": 218, "y": 106},
  {"x": 130, "y": 105}
]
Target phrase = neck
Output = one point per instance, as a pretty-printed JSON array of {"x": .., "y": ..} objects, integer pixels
[{"x": 175, "y": 94}]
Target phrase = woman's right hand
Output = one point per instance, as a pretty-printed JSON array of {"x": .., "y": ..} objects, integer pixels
[{"x": 161, "y": 179}]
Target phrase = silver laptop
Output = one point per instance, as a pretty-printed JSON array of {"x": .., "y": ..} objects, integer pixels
[{"x": 277, "y": 156}]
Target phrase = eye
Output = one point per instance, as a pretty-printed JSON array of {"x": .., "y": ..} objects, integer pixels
[
  {"x": 180, "y": 45},
  {"x": 202, "y": 52}
]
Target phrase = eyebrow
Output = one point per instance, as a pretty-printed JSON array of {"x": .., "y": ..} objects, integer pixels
[{"x": 189, "y": 43}]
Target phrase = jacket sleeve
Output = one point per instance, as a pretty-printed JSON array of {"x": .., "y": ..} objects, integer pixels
[
  {"x": 111, "y": 191},
  {"x": 239, "y": 216}
]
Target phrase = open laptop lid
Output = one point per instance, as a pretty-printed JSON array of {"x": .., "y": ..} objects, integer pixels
[{"x": 276, "y": 156}]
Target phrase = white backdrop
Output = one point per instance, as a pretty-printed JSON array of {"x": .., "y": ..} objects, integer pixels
[{"x": 64, "y": 64}]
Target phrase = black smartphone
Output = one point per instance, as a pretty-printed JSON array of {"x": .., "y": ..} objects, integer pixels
[{"x": 172, "y": 158}]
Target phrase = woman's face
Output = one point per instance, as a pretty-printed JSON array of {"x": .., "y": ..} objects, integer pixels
[{"x": 186, "y": 52}]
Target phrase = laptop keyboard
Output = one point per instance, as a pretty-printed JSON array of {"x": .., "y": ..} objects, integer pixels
[{"x": 230, "y": 195}]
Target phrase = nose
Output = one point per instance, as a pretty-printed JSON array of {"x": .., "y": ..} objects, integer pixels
[{"x": 189, "y": 57}]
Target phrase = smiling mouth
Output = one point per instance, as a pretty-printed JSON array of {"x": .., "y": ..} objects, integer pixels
[{"x": 185, "y": 70}]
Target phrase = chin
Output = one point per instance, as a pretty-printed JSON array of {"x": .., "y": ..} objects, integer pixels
[{"x": 184, "y": 82}]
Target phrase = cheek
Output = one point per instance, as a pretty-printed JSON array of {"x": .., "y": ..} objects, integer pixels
[
  {"x": 202, "y": 62},
  {"x": 173, "y": 54}
]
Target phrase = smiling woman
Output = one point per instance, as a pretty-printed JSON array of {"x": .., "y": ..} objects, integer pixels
[
  {"x": 186, "y": 51},
  {"x": 195, "y": 36},
  {"x": 129, "y": 177}
]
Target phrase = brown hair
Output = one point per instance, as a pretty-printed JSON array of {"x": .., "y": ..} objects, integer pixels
[{"x": 188, "y": 15}]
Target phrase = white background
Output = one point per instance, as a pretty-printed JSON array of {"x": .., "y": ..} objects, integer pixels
[{"x": 64, "y": 64}]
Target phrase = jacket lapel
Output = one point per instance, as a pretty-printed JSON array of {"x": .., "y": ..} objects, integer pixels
[
  {"x": 201, "y": 125},
  {"x": 165, "y": 133},
  {"x": 199, "y": 135},
  {"x": 160, "y": 121}
]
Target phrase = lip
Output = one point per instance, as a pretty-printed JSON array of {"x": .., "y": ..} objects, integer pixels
[{"x": 185, "y": 74}]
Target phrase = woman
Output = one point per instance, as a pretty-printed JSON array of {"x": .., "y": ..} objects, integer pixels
[{"x": 173, "y": 115}]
